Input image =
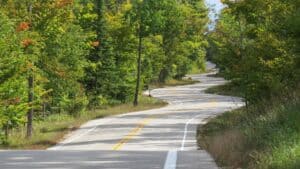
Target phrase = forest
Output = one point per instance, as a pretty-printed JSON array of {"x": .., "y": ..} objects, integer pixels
[
  {"x": 69, "y": 59},
  {"x": 64, "y": 57},
  {"x": 256, "y": 45}
]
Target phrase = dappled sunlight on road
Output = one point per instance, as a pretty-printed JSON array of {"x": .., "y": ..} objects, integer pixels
[{"x": 148, "y": 138}]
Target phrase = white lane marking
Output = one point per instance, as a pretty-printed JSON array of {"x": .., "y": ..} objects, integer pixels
[
  {"x": 58, "y": 162},
  {"x": 72, "y": 139},
  {"x": 20, "y": 158},
  {"x": 186, "y": 129},
  {"x": 171, "y": 160}
]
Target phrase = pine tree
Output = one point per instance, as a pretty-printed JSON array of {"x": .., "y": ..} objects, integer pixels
[{"x": 101, "y": 73}]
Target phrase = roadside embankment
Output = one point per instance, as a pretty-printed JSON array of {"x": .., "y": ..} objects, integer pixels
[
  {"x": 52, "y": 129},
  {"x": 264, "y": 136}
]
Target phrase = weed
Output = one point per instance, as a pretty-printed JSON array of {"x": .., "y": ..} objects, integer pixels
[
  {"x": 53, "y": 128},
  {"x": 267, "y": 136}
]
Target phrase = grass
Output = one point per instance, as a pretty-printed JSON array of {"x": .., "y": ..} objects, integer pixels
[
  {"x": 50, "y": 131},
  {"x": 266, "y": 136}
]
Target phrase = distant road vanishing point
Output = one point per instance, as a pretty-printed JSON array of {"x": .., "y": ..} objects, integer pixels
[{"x": 162, "y": 138}]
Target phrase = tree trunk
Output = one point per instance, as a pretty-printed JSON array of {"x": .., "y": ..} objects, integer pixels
[
  {"x": 30, "y": 101},
  {"x": 137, "y": 88},
  {"x": 6, "y": 131},
  {"x": 163, "y": 74},
  {"x": 44, "y": 110}
]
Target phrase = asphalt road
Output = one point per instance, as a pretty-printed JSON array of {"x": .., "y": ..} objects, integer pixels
[{"x": 160, "y": 138}]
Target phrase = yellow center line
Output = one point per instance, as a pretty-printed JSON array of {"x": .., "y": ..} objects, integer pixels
[
  {"x": 213, "y": 102},
  {"x": 210, "y": 103},
  {"x": 133, "y": 132}
]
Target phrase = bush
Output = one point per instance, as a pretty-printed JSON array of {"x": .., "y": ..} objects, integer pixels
[
  {"x": 3, "y": 139},
  {"x": 265, "y": 136},
  {"x": 73, "y": 106}
]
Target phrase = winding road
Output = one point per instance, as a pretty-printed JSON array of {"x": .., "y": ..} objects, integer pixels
[{"x": 162, "y": 138}]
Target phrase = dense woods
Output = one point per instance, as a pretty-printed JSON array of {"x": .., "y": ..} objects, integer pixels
[
  {"x": 69, "y": 59},
  {"x": 256, "y": 45},
  {"x": 66, "y": 56}
]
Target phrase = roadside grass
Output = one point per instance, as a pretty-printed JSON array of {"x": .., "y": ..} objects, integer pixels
[
  {"x": 53, "y": 128},
  {"x": 266, "y": 136}
]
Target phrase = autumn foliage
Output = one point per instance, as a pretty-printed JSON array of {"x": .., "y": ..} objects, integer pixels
[
  {"x": 95, "y": 43},
  {"x": 26, "y": 42},
  {"x": 63, "y": 3},
  {"x": 23, "y": 26},
  {"x": 13, "y": 101},
  {"x": 84, "y": 53}
]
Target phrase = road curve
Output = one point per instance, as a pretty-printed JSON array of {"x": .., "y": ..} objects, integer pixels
[{"x": 158, "y": 138}]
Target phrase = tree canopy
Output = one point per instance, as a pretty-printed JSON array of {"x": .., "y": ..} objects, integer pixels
[
  {"x": 256, "y": 45},
  {"x": 65, "y": 56}
]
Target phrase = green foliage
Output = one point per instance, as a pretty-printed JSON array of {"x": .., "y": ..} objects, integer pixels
[
  {"x": 186, "y": 21},
  {"x": 12, "y": 82},
  {"x": 74, "y": 106},
  {"x": 47, "y": 45},
  {"x": 256, "y": 46},
  {"x": 52, "y": 128},
  {"x": 82, "y": 53},
  {"x": 266, "y": 136},
  {"x": 111, "y": 71}
]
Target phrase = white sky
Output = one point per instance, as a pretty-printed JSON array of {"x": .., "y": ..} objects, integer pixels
[{"x": 215, "y": 7}]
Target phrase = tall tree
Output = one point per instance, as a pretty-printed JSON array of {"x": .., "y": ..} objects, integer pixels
[
  {"x": 148, "y": 20},
  {"x": 255, "y": 48},
  {"x": 13, "y": 86}
]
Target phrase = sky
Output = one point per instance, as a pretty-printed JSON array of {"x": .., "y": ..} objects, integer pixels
[{"x": 215, "y": 7}]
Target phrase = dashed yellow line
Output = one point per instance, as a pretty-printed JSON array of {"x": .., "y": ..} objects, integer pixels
[
  {"x": 210, "y": 103},
  {"x": 133, "y": 132},
  {"x": 213, "y": 102}
]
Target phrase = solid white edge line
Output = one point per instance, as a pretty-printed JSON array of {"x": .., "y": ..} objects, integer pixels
[
  {"x": 171, "y": 160},
  {"x": 70, "y": 139},
  {"x": 60, "y": 145},
  {"x": 185, "y": 131}
]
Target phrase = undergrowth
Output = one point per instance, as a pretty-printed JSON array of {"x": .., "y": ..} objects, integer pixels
[
  {"x": 264, "y": 136},
  {"x": 49, "y": 131}
]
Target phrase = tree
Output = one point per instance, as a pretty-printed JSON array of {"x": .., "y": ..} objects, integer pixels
[
  {"x": 13, "y": 104},
  {"x": 54, "y": 48},
  {"x": 255, "y": 48},
  {"x": 65, "y": 56},
  {"x": 145, "y": 16}
]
